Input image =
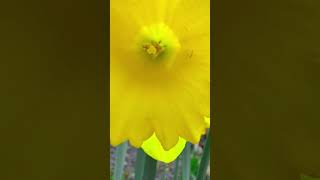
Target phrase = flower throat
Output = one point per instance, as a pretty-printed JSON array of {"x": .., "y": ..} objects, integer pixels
[
  {"x": 157, "y": 41},
  {"x": 154, "y": 49}
]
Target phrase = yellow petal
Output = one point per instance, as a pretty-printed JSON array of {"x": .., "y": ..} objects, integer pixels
[
  {"x": 207, "y": 121},
  {"x": 159, "y": 101},
  {"x": 153, "y": 148}
]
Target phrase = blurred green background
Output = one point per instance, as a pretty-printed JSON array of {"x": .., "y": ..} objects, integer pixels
[{"x": 266, "y": 94}]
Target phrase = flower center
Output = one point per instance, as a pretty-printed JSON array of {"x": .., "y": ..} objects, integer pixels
[
  {"x": 154, "y": 49},
  {"x": 157, "y": 41}
]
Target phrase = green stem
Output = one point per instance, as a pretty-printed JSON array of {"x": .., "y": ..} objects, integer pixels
[
  {"x": 176, "y": 169},
  {"x": 139, "y": 167},
  {"x": 121, "y": 152},
  {"x": 150, "y": 168},
  {"x": 186, "y": 162},
  {"x": 205, "y": 159}
]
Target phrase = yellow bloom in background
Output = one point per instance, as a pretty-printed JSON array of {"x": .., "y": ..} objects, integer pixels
[{"x": 159, "y": 74}]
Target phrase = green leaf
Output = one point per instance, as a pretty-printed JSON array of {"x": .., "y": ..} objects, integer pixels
[
  {"x": 194, "y": 163},
  {"x": 186, "y": 162},
  {"x": 205, "y": 159},
  {"x": 150, "y": 168},
  {"x": 121, "y": 152},
  {"x": 176, "y": 169},
  {"x": 139, "y": 167}
]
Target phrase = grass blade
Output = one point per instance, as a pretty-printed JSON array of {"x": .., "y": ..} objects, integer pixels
[
  {"x": 205, "y": 159},
  {"x": 121, "y": 152},
  {"x": 139, "y": 167}
]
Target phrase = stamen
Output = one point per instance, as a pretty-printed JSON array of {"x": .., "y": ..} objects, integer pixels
[
  {"x": 157, "y": 41},
  {"x": 154, "y": 48}
]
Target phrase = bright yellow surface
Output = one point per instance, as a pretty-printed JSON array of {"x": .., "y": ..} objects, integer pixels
[
  {"x": 153, "y": 148},
  {"x": 159, "y": 74}
]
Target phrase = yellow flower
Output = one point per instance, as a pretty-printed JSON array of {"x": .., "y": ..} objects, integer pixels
[{"x": 159, "y": 74}]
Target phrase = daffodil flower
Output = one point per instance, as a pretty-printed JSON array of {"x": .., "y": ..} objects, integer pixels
[{"x": 159, "y": 74}]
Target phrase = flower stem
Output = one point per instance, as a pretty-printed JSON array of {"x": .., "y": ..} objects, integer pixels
[
  {"x": 121, "y": 152},
  {"x": 186, "y": 162},
  {"x": 176, "y": 169},
  {"x": 150, "y": 168},
  {"x": 205, "y": 159},
  {"x": 139, "y": 167}
]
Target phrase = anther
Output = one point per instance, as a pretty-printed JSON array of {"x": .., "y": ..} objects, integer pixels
[{"x": 154, "y": 48}]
